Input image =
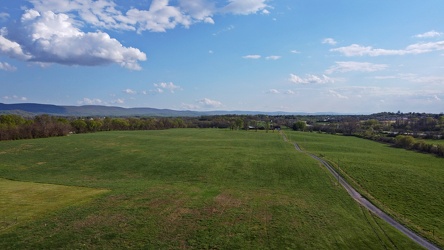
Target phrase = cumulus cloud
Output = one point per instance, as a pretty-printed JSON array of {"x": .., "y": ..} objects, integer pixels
[
  {"x": 161, "y": 87},
  {"x": 252, "y": 57},
  {"x": 159, "y": 17},
  {"x": 310, "y": 79},
  {"x": 295, "y": 52},
  {"x": 429, "y": 34},
  {"x": 208, "y": 103},
  {"x": 330, "y": 41},
  {"x": 12, "y": 49},
  {"x": 7, "y": 67},
  {"x": 355, "y": 66},
  {"x": 417, "y": 48},
  {"x": 54, "y": 38}
]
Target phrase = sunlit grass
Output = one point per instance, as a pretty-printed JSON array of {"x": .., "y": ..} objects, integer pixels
[
  {"x": 21, "y": 202},
  {"x": 406, "y": 183},
  {"x": 189, "y": 188}
]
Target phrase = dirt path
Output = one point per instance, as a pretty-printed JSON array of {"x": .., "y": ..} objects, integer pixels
[{"x": 368, "y": 205}]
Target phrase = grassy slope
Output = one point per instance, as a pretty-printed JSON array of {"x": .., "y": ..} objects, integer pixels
[
  {"x": 189, "y": 189},
  {"x": 410, "y": 185}
]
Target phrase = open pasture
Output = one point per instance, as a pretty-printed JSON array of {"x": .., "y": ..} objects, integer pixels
[
  {"x": 406, "y": 184},
  {"x": 186, "y": 189}
]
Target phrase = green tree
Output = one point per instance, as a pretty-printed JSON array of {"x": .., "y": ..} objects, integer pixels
[{"x": 299, "y": 126}]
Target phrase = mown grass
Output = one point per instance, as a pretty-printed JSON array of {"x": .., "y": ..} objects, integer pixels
[
  {"x": 24, "y": 201},
  {"x": 189, "y": 189},
  {"x": 408, "y": 184}
]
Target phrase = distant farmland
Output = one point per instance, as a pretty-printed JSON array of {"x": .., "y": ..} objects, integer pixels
[{"x": 204, "y": 189}]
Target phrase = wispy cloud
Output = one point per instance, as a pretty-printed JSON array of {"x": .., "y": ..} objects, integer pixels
[
  {"x": 252, "y": 57},
  {"x": 310, "y": 79},
  {"x": 14, "y": 98},
  {"x": 3, "y": 16},
  {"x": 429, "y": 34},
  {"x": 336, "y": 94},
  {"x": 7, "y": 67},
  {"x": 88, "y": 101},
  {"x": 355, "y": 66},
  {"x": 242, "y": 7},
  {"x": 417, "y": 48},
  {"x": 130, "y": 91},
  {"x": 273, "y": 57},
  {"x": 277, "y": 92}
]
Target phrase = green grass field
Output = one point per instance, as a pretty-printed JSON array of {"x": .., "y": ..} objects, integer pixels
[
  {"x": 407, "y": 184},
  {"x": 182, "y": 189}
]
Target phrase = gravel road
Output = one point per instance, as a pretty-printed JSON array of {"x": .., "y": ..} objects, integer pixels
[{"x": 368, "y": 205}]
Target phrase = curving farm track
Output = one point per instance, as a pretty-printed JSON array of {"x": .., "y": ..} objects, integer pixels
[{"x": 368, "y": 205}]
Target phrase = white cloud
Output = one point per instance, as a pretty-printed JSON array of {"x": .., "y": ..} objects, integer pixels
[
  {"x": 166, "y": 86},
  {"x": 273, "y": 57},
  {"x": 429, "y": 34},
  {"x": 226, "y": 29},
  {"x": 277, "y": 92},
  {"x": 330, "y": 41},
  {"x": 201, "y": 10},
  {"x": 439, "y": 80},
  {"x": 336, "y": 94},
  {"x": 355, "y": 66},
  {"x": 12, "y": 49},
  {"x": 119, "y": 101},
  {"x": 417, "y": 48},
  {"x": 295, "y": 52},
  {"x": 208, "y": 103},
  {"x": 310, "y": 79},
  {"x": 245, "y": 7},
  {"x": 130, "y": 91},
  {"x": 159, "y": 17},
  {"x": 87, "y": 101},
  {"x": 273, "y": 91},
  {"x": 7, "y": 67},
  {"x": 252, "y": 57},
  {"x": 15, "y": 98},
  {"x": 54, "y": 38}
]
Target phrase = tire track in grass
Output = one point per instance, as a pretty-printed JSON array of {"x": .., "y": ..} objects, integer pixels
[{"x": 367, "y": 204}]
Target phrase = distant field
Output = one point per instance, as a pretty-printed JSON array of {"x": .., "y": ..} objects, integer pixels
[
  {"x": 408, "y": 184},
  {"x": 184, "y": 189},
  {"x": 436, "y": 142}
]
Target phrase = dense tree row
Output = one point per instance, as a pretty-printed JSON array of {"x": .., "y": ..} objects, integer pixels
[
  {"x": 383, "y": 127},
  {"x": 14, "y": 127}
]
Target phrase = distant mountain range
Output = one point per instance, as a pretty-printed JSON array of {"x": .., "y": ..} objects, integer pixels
[{"x": 31, "y": 109}]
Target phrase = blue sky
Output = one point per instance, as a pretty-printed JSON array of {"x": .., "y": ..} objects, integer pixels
[{"x": 252, "y": 55}]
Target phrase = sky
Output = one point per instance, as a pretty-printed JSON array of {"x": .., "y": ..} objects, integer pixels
[{"x": 341, "y": 56}]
